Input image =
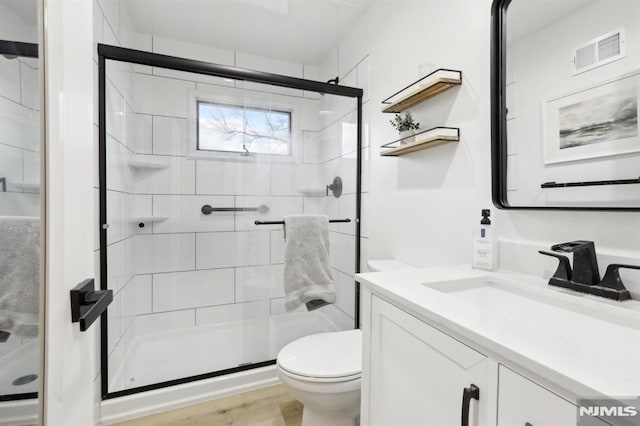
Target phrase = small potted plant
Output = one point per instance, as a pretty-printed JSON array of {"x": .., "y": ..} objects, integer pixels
[{"x": 406, "y": 126}]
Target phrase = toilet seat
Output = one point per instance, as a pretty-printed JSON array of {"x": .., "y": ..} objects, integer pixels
[{"x": 324, "y": 357}]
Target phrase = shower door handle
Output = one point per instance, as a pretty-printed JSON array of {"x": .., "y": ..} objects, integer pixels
[{"x": 87, "y": 304}]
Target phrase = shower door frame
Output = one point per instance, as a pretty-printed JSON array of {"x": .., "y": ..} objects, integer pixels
[{"x": 121, "y": 54}]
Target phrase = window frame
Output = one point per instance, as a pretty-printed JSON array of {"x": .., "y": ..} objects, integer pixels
[{"x": 250, "y": 101}]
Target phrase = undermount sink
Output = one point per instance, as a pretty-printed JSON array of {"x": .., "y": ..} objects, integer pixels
[{"x": 542, "y": 305}]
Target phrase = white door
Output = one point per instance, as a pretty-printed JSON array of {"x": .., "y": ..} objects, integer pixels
[
  {"x": 418, "y": 374},
  {"x": 69, "y": 397}
]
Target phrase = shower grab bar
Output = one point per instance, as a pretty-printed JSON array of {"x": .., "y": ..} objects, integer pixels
[
  {"x": 207, "y": 209},
  {"x": 281, "y": 222}
]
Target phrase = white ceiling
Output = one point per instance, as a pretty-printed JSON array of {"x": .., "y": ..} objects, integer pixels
[
  {"x": 525, "y": 17},
  {"x": 294, "y": 30}
]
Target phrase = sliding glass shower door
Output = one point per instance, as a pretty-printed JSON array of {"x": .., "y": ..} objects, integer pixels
[{"x": 193, "y": 165}]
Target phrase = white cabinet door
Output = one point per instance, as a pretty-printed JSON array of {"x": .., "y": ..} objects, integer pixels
[
  {"x": 417, "y": 374},
  {"x": 523, "y": 402}
]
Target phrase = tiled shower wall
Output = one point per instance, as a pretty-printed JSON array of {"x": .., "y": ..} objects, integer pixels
[
  {"x": 19, "y": 135},
  {"x": 111, "y": 27},
  {"x": 192, "y": 269},
  {"x": 19, "y": 118},
  {"x": 335, "y": 150}
]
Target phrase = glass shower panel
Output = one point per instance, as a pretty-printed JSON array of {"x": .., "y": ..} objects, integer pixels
[
  {"x": 193, "y": 161},
  {"x": 20, "y": 224}
]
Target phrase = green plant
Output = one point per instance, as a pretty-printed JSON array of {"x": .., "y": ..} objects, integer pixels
[{"x": 404, "y": 123}]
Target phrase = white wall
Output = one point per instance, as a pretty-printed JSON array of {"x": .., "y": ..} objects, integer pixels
[
  {"x": 68, "y": 385},
  {"x": 423, "y": 205},
  {"x": 534, "y": 79}
]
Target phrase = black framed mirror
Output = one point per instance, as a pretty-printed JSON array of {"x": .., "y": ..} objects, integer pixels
[{"x": 565, "y": 91}]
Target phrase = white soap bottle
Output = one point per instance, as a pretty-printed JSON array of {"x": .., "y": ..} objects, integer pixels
[{"x": 485, "y": 245}]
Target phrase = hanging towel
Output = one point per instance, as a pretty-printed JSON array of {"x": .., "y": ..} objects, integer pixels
[
  {"x": 19, "y": 275},
  {"x": 307, "y": 273}
]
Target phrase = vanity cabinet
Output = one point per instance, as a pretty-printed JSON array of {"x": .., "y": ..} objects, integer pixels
[
  {"x": 522, "y": 402},
  {"x": 417, "y": 374}
]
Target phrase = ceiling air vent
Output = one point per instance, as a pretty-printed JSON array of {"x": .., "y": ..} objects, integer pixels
[{"x": 600, "y": 51}]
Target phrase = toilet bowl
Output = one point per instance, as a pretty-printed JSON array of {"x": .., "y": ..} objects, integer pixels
[{"x": 322, "y": 371}]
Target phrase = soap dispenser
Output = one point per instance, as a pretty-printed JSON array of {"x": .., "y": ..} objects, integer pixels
[{"x": 485, "y": 245}]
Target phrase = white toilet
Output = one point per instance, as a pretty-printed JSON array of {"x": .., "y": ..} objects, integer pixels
[{"x": 323, "y": 371}]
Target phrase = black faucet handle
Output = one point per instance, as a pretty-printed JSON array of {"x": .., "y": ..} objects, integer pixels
[
  {"x": 585, "y": 263},
  {"x": 563, "y": 271},
  {"x": 573, "y": 246},
  {"x": 612, "y": 277}
]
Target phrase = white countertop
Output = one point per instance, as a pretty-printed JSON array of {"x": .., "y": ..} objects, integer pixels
[{"x": 592, "y": 349}]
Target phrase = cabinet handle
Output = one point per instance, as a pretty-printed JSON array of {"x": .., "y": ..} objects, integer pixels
[{"x": 472, "y": 392}]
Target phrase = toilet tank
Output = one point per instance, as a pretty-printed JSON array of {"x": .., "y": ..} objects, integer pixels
[{"x": 379, "y": 265}]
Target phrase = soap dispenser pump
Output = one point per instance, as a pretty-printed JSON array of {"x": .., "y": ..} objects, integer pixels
[{"x": 485, "y": 245}]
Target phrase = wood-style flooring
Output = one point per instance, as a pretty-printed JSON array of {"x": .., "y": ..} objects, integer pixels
[{"x": 271, "y": 406}]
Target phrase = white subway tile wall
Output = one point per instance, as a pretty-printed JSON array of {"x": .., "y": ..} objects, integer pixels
[
  {"x": 188, "y": 269},
  {"x": 19, "y": 139}
]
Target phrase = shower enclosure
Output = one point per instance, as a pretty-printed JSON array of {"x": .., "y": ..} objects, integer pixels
[
  {"x": 20, "y": 159},
  {"x": 19, "y": 198},
  {"x": 199, "y": 163}
]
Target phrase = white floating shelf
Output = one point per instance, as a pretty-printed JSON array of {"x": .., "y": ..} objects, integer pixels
[
  {"x": 427, "y": 87},
  {"x": 141, "y": 163},
  {"x": 148, "y": 219},
  {"x": 423, "y": 140}
]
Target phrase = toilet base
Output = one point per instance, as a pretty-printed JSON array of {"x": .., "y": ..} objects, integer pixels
[{"x": 312, "y": 417}]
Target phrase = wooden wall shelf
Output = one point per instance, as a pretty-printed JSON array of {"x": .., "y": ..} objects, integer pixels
[
  {"x": 427, "y": 87},
  {"x": 423, "y": 140}
]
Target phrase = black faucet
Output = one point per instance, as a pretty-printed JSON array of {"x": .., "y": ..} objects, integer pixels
[{"x": 585, "y": 276}]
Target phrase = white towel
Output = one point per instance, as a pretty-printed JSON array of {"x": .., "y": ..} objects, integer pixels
[
  {"x": 19, "y": 275},
  {"x": 307, "y": 272}
]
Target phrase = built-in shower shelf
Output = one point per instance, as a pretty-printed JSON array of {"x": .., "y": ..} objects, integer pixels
[
  {"x": 427, "y": 87},
  {"x": 313, "y": 192},
  {"x": 139, "y": 163},
  {"x": 149, "y": 219},
  {"x": 29, "y": 187}
]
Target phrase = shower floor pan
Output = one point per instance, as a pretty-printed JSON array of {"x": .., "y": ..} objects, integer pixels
[
  {"x": 161, "y": 357},
  {"x": 19, "y": 369}
]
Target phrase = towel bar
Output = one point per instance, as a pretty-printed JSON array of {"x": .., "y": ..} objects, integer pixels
[
  {"x": 590, "y": 183},
  {"x": 281, "y": 222}
]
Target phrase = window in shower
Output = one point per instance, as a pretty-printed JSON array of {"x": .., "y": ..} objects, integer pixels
[{"x": 233, "y": 128}]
